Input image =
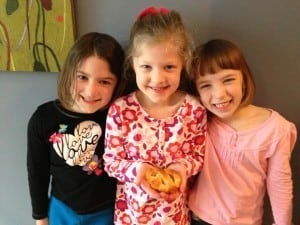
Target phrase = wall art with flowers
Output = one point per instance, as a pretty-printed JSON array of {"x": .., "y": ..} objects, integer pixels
[{"x": 35, "y": 35}]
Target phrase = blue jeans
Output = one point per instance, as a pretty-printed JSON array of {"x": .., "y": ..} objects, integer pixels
[{"x": 61, "y": 214}]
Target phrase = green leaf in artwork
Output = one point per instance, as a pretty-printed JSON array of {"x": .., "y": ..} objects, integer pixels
[
  {"x": 38, "y": 66},
  {"x": 11, "y": 6}
]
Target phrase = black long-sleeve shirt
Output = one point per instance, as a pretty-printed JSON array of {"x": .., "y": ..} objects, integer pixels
[{"x": 66, "y": 148}]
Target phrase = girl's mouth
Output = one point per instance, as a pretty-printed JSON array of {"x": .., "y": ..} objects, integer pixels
[{"x": 221, "y": 105}]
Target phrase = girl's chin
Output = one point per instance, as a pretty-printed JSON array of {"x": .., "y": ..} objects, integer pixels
[
  {"x": 91, "y": 109},
  {"x": 221, "y": 113},
  {"x": 86, "y": 109}
]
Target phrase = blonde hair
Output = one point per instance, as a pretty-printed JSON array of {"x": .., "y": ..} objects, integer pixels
[
  {"x": 160, "y": 26},
  {"x": 218, "y": 54},
  {"x": 101, "y": 45}
]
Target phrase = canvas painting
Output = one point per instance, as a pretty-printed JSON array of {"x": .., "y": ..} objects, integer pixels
[{"x": 35, "y": 35}]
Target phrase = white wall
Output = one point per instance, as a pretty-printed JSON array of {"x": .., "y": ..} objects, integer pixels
[
  {"x": 268, "y": 31},
  {"x": 20, "y": 94}
]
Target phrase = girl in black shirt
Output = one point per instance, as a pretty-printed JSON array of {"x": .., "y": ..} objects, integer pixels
[{"x": 66, "y": 137}]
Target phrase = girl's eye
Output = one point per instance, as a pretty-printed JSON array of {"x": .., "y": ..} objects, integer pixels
[
  {"x": 228, "y": 80},
  {"x": 169, "y": 67},
  {"x": 104, "y": 82},
  {"x": 203, "y": 86},
  {"x": 145, "y": 67},
  {"x": 81, "y": 77}
]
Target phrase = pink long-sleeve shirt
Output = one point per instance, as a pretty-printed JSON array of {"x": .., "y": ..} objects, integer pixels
[{"x": 239, "y": 167}]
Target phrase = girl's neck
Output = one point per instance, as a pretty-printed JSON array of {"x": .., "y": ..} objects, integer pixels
[
  {"x": 163, "y": 109},
  {"x": 247, "y": 118}
]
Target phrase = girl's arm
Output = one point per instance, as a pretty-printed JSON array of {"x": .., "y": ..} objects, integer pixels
[
  {"x": 116, "y": 163},
  {"x": 38, "y": 167},
  {"x": 191, "y": 160},
  {"x": 194, "y": 142},
  {"x": 279, "y": 178},
  {"x": 42, "y": 222}
]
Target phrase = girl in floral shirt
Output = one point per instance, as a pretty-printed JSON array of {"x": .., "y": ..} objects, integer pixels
[{"x": 157, "y": 126}]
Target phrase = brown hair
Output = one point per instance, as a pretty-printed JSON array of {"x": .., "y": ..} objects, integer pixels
[
  {"x": 218, "y": 54},
  {"x": 101, "y": 45},
  {"x": 161, "y": 26}
]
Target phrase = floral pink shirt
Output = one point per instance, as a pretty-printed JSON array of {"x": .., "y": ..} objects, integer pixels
[{"x": 133, "y": 137}]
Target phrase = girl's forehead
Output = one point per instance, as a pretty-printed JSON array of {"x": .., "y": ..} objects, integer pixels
[
  {"x": 219, "y": 74},
  {"x": 163, "y": 45}
]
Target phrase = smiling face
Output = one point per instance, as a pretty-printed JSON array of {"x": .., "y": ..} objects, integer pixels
[
  {"x": 222, "y": 92},
  {"x": 157, "y": 67},
  {"x": 94, "y": 85}
]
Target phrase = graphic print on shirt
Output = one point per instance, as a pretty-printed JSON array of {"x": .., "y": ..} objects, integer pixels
[{"x": 78, "y": 149}]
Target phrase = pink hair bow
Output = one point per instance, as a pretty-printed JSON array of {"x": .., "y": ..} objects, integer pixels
[{"x": 152, "y": 10}]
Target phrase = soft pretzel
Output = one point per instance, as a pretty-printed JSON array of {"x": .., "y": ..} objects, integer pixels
[{"x": 163, "y": 180}]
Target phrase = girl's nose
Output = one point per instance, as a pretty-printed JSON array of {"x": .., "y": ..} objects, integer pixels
[
  {"x": 157, "y": 76},
  {"x": 219, "y": 91},
  {"x": 91, "y": 90}
]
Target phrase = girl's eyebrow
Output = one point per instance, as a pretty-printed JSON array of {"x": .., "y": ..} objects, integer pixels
[
  {"x": 199, "y": 82},
  {"x": 80, "y": 71},
  {"x": 201, "y": 79},
  {"x": 229, "y": 75},
  {"x": 107, "y": 78}
]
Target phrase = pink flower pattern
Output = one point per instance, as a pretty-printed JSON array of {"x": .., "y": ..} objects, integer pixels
[
  {"x": 132, "y": 137},
  {"x": 94, "y": 165},
  {"x": 56, "y": 137}
]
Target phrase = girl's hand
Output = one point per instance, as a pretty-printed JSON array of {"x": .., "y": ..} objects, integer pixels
[
  {"x": 140, "y": 180},
  {"x": 181, "y": 170},
  {"x": 42, "y": 222},
  {"x": 169, "y": 197}
]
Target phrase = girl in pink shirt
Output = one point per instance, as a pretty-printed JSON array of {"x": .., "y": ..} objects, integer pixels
[
  {"x": 248, "y": 147},
  {"x": 157, "y": 126}
]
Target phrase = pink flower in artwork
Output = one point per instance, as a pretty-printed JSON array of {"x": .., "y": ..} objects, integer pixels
[
  {"x": 56, "y": 137},
  {"x": 60, "y": 18}
]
